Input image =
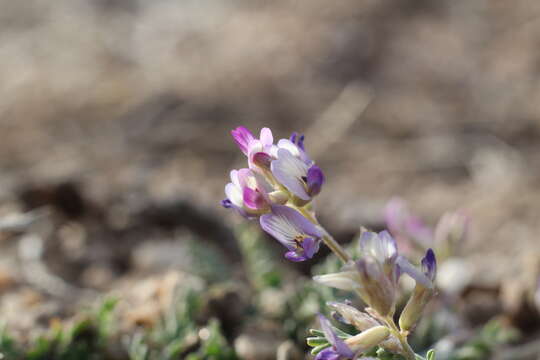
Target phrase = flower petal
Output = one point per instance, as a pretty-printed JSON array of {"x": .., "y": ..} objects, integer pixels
[
  {"x": 289, "y": 171},
  {"x": 303, "y": 225},
  {"x": 242, "y": 136},
  {"x": 253, "y": 199},
  {"x": 310, "y": 246},
  {"x": 266, "y": 137},
  {"x": 295, "y": 256},
  {"x": 315, "y": 180},
  {"x": 339, "y": 345},
  {"x": 406, "y": 267},
  {"x": 234, "y": 194},
  {"x": 429, "y": 265}
]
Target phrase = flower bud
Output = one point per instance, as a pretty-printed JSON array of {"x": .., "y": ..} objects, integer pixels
[
  {"x": 415, "y": 307},
  {"x": 368, "y": 339},
  {"x": 353, "y": 316}
]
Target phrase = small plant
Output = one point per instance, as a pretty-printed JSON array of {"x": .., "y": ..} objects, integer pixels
[{"x": 278, "y": 187}]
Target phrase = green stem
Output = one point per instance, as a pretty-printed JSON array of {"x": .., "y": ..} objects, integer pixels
[{"x": 408, "y": 351}]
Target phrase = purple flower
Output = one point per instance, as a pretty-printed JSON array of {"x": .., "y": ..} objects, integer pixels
[
  {"x": 375, "y": 274},
  {"x": 301, "y": 179},
  {"x": 248, "y": 193},
  {"x": 292, "y": 230},
  {"x": 338, "y": 350},
  {"x": 257, "y": 150}
]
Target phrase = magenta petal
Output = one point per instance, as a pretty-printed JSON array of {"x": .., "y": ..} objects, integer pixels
[
  {"x": 253, "y": 199},
  {"x": 242, "y": 136}
]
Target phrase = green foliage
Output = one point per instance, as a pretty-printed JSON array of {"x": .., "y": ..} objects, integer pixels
[{"x": 483, "y": 345}]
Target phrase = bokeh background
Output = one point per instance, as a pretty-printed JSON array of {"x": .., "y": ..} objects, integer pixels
[{"x": 114, "y": 131}]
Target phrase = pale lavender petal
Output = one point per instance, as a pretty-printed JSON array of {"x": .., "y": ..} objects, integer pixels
[
  {"x": 406, "y": 267},
  {"x": 300, "y": 223},
  {"x": 290, "y": 172},
  {"x": 234, "y": 178},
  {"x": 286, "y": 144},
  {"x": 429, "y": 265},
  {"x": 381, "y": 246},
  {"x": 266, "y": 137},
  {"x": 338, "y": 345},
  {"x": 234, "y": 194},
  {"x": 242, "y": 136},
  {"x": 315, "y": 180},
  {"x": 243, "y": 175}
]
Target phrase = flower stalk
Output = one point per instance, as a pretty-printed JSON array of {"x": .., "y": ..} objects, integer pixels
[{"x": 278, "y": 188}]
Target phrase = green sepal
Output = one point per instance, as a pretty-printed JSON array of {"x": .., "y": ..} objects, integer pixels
[{"x": 319, "y": 348}]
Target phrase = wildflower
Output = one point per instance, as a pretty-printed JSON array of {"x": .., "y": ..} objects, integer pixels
[
  {"x": 300, "y": 236},
  {"x": 421, "y": 294},
  {"x": 347, "y": 349},
  {"x": 375, "y": 275}
]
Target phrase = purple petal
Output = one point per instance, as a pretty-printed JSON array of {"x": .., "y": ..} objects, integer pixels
[
  {"x": 328, "y": 354},
  {"x": 315, "y": 180},
  {"x": 295, "y": 256},
  {"x": 310, "y": 246},
  {"x": 298, "y": 220},
  {"x": 429, "y": 265},
  {"x": 301, "y": 142},
  {"x": 293, "y": 137},
  {"x": 242, "y": 136},
  {"x": 338, "y": 345},
  {"x": 406, "y": 267},
  {"x": 289, "y": 171},
  {"x": 226, "y": 203}
]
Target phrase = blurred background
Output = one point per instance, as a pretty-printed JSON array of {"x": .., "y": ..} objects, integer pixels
[{"x": 115, "y": 148}]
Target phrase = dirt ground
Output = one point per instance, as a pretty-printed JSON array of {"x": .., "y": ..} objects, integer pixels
[{"x": 114, "y": 115}]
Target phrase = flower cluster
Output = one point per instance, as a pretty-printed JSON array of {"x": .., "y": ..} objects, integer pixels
[
  {"x": 277, "y": 187},
  {"x": 374, "y": 277}
]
